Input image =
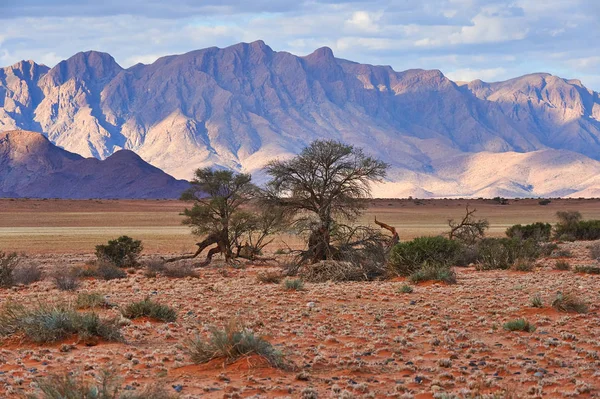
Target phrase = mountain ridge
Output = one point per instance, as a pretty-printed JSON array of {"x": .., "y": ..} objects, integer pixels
[
  {"x": 240, "y": 106},
  {"x": 31, "y": 166}
]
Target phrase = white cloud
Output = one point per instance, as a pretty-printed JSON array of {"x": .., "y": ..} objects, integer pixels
[
  {"x": 468, "y": 74},
  {"x": 364, "y": 21}
]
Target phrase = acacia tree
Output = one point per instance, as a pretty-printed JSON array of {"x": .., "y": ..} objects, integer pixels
[
  {"x": 218, "y": 196},
  {"x": 328, "y": 180}
]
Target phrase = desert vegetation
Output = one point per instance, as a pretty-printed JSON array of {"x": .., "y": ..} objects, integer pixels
[{"x": 327, "y": 301}]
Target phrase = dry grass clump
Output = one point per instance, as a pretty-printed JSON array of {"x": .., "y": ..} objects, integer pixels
[
  {"x": 8, "y": 263},
  {"x": 293, "y": 284},
  {"x": 523, "y": 265},
  {"x": 91, "y": 300},
  {"x": 66, "y": 279},
  {"x": 330, "y": 270},
  {"x": 587, "y": 269},
  {"x": 434, "y": 272},
  {"x": 14, "y": 271},
  {"x": 155, "y": 267},
  {"x": 562, "y": 265},
  {"x": 51, "y": 323},
  {"x": 570, "y": 303},
  {"x": 106, "y": 386},
  {"x": 536, "y": 301},
  {"x": 270, "y": 277},
  {"x": 232, "y": 343},
  {"x": 27, "y": 273},
  {"x": 151, "y": 309}
]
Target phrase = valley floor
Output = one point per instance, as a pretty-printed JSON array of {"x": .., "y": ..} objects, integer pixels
[{"x": 346, "y": 340}]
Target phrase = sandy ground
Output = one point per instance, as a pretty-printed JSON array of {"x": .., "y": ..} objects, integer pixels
[
  {"x": 360, "y": 340},
  {"x": 62, "y": 226}
]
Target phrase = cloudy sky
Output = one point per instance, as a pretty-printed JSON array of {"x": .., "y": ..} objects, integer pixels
[{"x": 466, "y": 39}]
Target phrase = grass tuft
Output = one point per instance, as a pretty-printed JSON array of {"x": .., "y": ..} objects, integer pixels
[
  {"x": 51, "y": 323},
  {"x": 434, "y": 273},
  {"x": 562, "y": 265},
  {"x": 536, "y": 301},
  {"x": 295, "y": 284},
  {"x": 519, "y": 325},
  {"x": 91, "y": 300},
  {"x": 406, "y": 289},
  {"x": 569, "y": 303},
  {"x": 151, "y": 309},
  {"x": 232, "y": 343}
]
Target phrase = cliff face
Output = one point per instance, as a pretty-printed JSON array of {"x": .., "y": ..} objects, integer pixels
[
  {"x": 31, "y": 166},
  {"x": 240, "y": 106}
]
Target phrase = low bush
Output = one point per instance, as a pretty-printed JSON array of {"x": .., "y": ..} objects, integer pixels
[
  {"x": 538, "y": 231},
  {"x": 410, "y": 256},
  {"x": 433, "y": 272},
  {"x": 571, "y": 227},
  {"x": 108, "y": 271},
  {"x": 122, "y": 252},
  {"x": 562, "y": 265},
  {"x": 179, "y": 271},
  {"x": 595, "y": 251},
  {"x": 106, "y": 386},
  {"x": 587, "y": 269},
  {"x": 232, "y": 343},
  {"x": 333, "y": 270},
  {"x": 66, "y": 279},
  {"x": 151, "y": 309},
  {"x": 502, "y": 253},
  {"x": 519, "y": 325},
  {"x": 47, "y": 323},
  {"x": 27, "y": 273},
  {"x": 294, "y": 284},
  {"x": 523, "y": 265},
  {"x": 8, "y": 264},
  {"x": 562, "y": 253},
  {"x": 91, "y": 300},
  {"x": 569, "y": 303}
]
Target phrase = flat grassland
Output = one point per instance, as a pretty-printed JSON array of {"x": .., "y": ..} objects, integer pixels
[{"x": 76, "y": 226}]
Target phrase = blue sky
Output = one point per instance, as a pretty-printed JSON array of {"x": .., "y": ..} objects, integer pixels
[{"x": 466, "y": 39}]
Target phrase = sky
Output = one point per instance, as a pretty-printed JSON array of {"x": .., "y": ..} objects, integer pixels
[{"x": 490, "y": 40}]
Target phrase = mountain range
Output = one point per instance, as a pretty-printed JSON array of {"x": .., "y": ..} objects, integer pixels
[
  {"x": 31, "y": 166},
  {"x": 240, "y": 106}
]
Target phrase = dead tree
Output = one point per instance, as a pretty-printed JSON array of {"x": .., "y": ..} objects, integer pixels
[
  {"x": 395, "y": 236},
  {"x": 468, "y": 230}
]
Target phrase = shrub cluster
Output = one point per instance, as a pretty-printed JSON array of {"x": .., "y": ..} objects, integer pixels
[
  {"x": 13, "y": 271},
  {"x": 504, "y": 253},
  {"x": 571, "y": 227},
  {"x": 538, "y": 231},
  {"x": 46, "y": 323},
  {"x": 122, "y": 252},
  {"x": 410, "y": 256},
  {"x": 151, "y": 309}
]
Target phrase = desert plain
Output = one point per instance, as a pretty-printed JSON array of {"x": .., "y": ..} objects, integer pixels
[{"x": 345, "y": 339}]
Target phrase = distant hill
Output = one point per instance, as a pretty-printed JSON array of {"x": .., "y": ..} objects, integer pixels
[
  {"x": 240, "y": 106},
  {"x": 31, "y": 166}
]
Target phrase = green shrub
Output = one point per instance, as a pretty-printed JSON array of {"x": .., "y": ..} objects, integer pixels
[
  {"x": 148, "y": 308},
  {"x": 122, "y": 252},
  {"x": 8, "y": 263},
  {"x": 544, "y": 201},
  {"x": 232, "y": 343},
  {"x": 562, "y": 265},
  {"x": 47, "y": 323},
  {"x": 406, "y": 289},
  {"x": 294, "y": 284},
  {"x": 587, "y": 269},
  {"x": 538, "y": 231},
  {"x": 570, "y": 303},
  {"x": 570, "y": 227},
  {"x": 106, "y": 386},
  {"x": 519, "y": 325},
  {"x": 408, "y": 257},
  {"x": 434, "y": 272},
  {"x": 502, "y": 253}
]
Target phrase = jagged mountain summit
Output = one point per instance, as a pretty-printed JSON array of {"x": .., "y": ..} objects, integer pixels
[
  {"x": 31, "y": 166},
  {"x": 240, "y": 106}
]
